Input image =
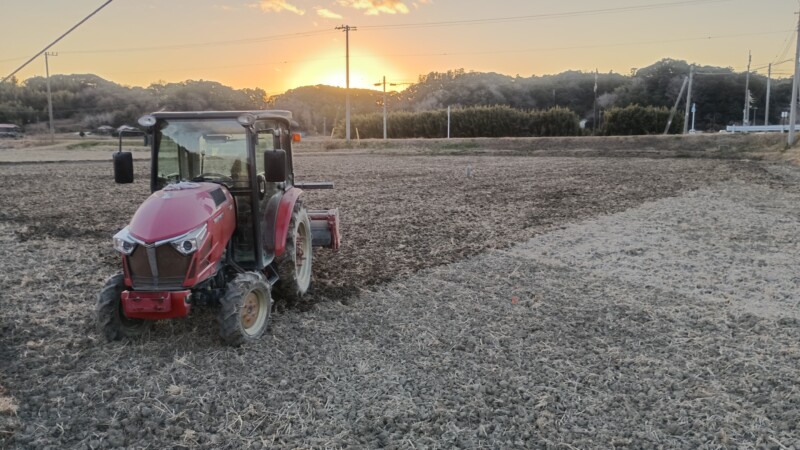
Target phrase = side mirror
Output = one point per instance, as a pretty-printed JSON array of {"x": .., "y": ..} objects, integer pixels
[
  {"x": 275, "y": 166},
  {"x": 123, "y": 167}
]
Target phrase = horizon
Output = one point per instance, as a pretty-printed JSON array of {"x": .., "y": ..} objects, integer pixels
[
  {"x": 397, "y": 39},
  {"x": 393, "y": 88}
]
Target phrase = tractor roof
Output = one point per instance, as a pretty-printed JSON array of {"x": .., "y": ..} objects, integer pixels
[{"x": 277, "y": 114}]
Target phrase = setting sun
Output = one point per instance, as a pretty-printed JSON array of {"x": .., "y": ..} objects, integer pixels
[{"x": 329, "y": 69}]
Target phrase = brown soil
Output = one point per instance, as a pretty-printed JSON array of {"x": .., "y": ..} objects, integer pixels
[{"x": 301, "y": 386}]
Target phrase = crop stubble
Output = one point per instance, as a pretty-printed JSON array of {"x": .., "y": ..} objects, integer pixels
[{"x": 386, "y": 355}]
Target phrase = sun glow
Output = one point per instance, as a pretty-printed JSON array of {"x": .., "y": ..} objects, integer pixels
[{"x": 365, "y": 71}]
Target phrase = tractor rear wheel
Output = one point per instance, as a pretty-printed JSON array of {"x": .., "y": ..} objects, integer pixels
[
  {"x": 244, "y": 313},
  {"x": 294, "y": 265},
  {"x": 111, "y": 319}
]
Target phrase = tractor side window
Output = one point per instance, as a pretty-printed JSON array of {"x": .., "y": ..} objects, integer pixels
[
  {"x": 265, "y": 142},
  {"x": 168, "y": 161}
]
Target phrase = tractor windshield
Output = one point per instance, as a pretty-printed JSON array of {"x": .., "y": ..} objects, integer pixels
[{"x": 202, "y": 150}]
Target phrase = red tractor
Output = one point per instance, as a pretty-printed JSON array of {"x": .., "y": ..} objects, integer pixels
[{"x": 225, "y": 225}]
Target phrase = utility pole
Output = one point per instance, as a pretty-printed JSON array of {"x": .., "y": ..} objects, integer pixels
[
  {"x": 746, "y": 119},
  {"x": 688, "y": 101},
  {"x": 594, "y": 105},
  {"x": 384, "y": 105},
  {"x": 677, "y": 102},
  {"x": 793, "y": 111},
  {"x": 347, "y": 29},
  {"x": 49, "y": 95},
  {"x": 769, "y": 82},
  {"x": 448, "y": 121}
]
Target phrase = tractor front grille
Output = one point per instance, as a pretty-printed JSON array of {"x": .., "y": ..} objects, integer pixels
[{"x": 157, "y": 268}]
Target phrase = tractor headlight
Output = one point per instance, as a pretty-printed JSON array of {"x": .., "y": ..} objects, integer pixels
[
  {"x": 124, "y": 242},
  {"x": 191, "y": 241}
]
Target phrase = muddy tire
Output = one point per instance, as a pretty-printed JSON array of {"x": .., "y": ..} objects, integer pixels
[
  {"x": 245, "y": 309},
  {"x": 111, "y": 320},
  {"x": 294, "y": 265}
]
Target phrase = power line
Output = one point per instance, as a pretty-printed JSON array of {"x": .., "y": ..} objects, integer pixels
[
  {"x": 56, "y": 41},
  {"x": 589, "y": 12},
  {"x": 582, "y": 47},
  {"x": 529, "y": 50},
  {"x": 786, "y": 46},
  {"x": 203, "y": 44}
]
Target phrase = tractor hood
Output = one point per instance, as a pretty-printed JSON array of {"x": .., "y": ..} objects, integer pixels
[{"x": 176, "y": 210}]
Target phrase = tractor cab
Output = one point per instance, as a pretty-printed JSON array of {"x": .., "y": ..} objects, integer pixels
[{"x": 224, "y": 207}]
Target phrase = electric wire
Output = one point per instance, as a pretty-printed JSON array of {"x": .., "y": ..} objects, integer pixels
[
  {"x": 581, "y": 47},
  {"x": 57, "y": 40},
  {"x": 786, "y": 45},
  {"x": 410, "y": 25},
  {"x": 590, "y": 12},
  {"x": 529, "y": 50},
  {"x": 275, "y": 37}
]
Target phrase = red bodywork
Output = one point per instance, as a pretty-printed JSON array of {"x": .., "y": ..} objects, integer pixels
[
  {"x": 284, "y": 218},
  {"x": 168, "y": 214},
  {"x": 156, "y": 305}
]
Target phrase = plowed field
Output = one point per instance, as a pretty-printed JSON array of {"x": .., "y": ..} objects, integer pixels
[{"x": 477, "y": 301}]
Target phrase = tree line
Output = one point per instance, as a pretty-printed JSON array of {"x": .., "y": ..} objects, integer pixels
[{"x": 83, "y": 102}]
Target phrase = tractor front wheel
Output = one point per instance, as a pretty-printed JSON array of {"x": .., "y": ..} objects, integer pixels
[
  {"x": 111, "y": 319},
  {"x": 294, "y": 264},
  {"x": 244, "y": 313}
]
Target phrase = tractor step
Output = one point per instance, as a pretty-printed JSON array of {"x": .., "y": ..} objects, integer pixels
[{"x": 271, "y": 274}]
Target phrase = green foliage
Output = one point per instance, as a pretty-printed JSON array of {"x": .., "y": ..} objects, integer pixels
[
  {"x": 482, "y": 121},
  {"x": 90, "y": 101},
  {"x": 554, "y": 122},
  {"x": 637, "y": 120},
  {"x": 318, "y": 108}
]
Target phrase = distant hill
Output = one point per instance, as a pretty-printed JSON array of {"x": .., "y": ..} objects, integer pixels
[{"x": 92, "y": 101}]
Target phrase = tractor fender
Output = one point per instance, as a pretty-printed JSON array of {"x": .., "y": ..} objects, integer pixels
[{"x": 283, "y": 217}]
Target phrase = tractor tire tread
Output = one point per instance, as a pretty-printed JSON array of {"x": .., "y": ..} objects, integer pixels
[
  {"x": 288, "y": 288},
  {"x": 110, "y": 322},
  {"x": 231, "y": 303}
]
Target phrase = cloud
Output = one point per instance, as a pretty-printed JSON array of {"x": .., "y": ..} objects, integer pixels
[
  {"x": 376, "y": 7},
  {"x": 279, "y": 6},
  {"x": 328, "y": 14}
]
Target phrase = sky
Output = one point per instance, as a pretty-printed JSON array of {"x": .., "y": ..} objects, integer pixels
[{"x": 277, "y": 45}]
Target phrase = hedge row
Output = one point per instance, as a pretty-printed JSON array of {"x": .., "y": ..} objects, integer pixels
[
  {"x": 483, "y": 121},
  {"x": 636, "y": 120}
]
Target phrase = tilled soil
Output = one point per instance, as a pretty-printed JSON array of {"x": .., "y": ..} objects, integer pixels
[{"x": 476, "y": 302}]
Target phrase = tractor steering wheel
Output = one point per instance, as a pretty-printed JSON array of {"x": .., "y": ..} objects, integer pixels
[{"x": 219, "y": 176}]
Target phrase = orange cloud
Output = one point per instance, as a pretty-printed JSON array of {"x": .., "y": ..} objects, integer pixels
[
  {"x": 376, "y": 7},
  {"x": 279, "y": 6},
  {"x": 328, "y": 14}
]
